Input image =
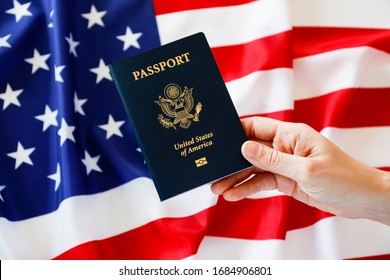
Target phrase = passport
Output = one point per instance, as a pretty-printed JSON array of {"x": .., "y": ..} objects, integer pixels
[{"x": 183, "y": 117}]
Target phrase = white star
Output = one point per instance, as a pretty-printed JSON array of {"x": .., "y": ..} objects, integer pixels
[
  {"x": 56, "y": 177},
  {"x": 66, "y": 132},
  {"x": 78, "y": 103},
  {"x": 38, "y": 61},
  {"x": 20, "y": 10},
  {"x": 101, "y": 71},
  {"x": 94, "y": 17},
  {"x": 112, "y": 127},
  {"x": 3, "y": 41},
  {"x": 48, "y": 118},
  {"x": 72, "y": 44},
  {"x": 130, "y": 39},
  {"x": 10, "y": 96},
  {"x": 21, "y": 155},
  {"x": 57, "y": 73},
  {"x": 1, "y": 189},
  {"x": 91, "y": 163}
]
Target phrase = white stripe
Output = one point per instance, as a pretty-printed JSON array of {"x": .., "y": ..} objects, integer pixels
[
  {"x": 263, "y": 92},
  {"x": 370, "y": 145},
  {"x": 338, "y": 238},
  {"x": 320, "y": 74},
  {"x": 341, "y": 13},
  {"x": 331, "y": 238},
  {"x": 227, "y": 25},
  {"x": 93, "y": 217},
  {"x": 219, "y": 248}
]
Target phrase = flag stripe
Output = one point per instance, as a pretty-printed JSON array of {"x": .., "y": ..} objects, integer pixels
[
  {"x": 340, "y": 69},
  {"x": 346, "y": 13},
  {"x": 157, "y": 241},
  {"x": 253, "y": 17},
  {"x": 166, "y": 238},
  {"x": 220, "y": 248},
  {"x": 330, "y": 238},
  {"x": 349, "y": 238},
  {"x": 315, "y": 40},
  {"x": 370, "y": 145},
  {"x": 71, "y": 225},
  {"x": 237, "y": 61},
  {"x": 166, "y": 6},
  {"x": 355, "y": 107},
  {"x": 262, "y": 92},
  {"x": 274, "y": 220}
]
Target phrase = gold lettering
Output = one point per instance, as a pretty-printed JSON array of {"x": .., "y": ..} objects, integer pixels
[
  {"x": 136, "y": 75},
  {"x": 150, "y": 70},
  {"x": 156, "y": 68},
  {"x": 186, "y": 55},
  {"x": 171, "y": 63},
  {"x": 161, "y": 66},
  {"x": 179, "y": 60},
  {"x": 143, "y": 74}
]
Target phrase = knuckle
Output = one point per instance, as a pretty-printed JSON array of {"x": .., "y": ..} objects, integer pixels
[{"x": 273, "y": 158}]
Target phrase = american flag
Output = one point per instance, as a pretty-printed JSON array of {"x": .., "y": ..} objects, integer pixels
[{"x": 73, "y": 183}]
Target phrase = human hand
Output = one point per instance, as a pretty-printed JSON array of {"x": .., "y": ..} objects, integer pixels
[{"x": 300, "y": 162}]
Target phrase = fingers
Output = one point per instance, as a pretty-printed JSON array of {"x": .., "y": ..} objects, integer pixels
[
  {"x": 259, "y": 182},
  {"x": 260, "y": 128},
  {"x": 224, "y": 184},
  {"x": 266, "y": 158}
]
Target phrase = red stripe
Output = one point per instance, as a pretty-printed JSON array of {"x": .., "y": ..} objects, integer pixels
[
  {"x": 347, "y": 108},
  {"x": 167, "y": 238},
  {"x": 178, "y": 238},
  {"x": 315, "y": 40},
  {"x": 240, "y": 60},
  {"x": 167, "y": 6},
  {"x": 261, "y": 219},
  {"x": 356, "y": 107}
]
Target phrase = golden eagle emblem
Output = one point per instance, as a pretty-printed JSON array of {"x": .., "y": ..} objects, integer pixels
[{"x": 177, "y": 106}]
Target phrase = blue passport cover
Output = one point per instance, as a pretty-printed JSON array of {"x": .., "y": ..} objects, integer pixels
[{"x": 186, "y": 124}]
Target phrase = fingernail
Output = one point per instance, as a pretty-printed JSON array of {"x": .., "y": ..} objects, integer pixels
[{"x": 251, "y": 150}]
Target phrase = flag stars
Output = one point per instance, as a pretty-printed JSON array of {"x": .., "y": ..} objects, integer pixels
[
  {"x": 1, "y": 189},
  {"x": 91, "y": 163},
  {"x": 66, "y": 132},
  {"x": 78, "y": 104},
  {"x": 94, "y": 17},
  {"x": 112, "y": 127},
  {"x": 72, "y": 44},
  {"x": 102, "y": 72},
  {"x": 20, "y": 10},
  {"x": 4, "y": 41},
  {"x": 21, "y": 155},
  {"x": 56, "y": 177},
  {"x": 38, "y": 61},
  {"x": 48, "y": 118},
  {"x": 57, "y": 73},
  {"x": 130, "y": 39},
  {"x": 10, "y": 96}
]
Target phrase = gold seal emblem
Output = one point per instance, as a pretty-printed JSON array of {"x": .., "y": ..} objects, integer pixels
[{"x": 177, "y": 106}]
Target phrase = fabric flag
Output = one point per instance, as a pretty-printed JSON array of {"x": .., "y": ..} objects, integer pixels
[{"x": 73, "y": 183}]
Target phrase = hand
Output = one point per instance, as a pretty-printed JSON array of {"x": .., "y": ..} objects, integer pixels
[{"x": 300, "y": 162}]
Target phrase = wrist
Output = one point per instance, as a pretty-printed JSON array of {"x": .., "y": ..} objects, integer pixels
[{"x": 380, "y": 204}]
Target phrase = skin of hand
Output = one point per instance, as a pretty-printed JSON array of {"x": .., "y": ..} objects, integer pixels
[{"x": 298, "y": 161}]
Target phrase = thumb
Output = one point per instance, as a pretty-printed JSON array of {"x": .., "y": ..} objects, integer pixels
[{"x": 271, "y": 160}]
